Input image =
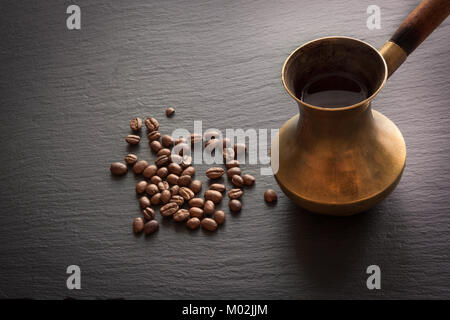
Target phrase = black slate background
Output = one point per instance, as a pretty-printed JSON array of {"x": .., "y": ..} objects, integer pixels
[{"x": 66, "y": 98}]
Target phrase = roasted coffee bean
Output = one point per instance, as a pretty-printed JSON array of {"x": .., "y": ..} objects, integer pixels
[
  {"x": 196, "y": 138},
  {"x": 226, "y": 142},
  {"x": 240, "y": 148},
  {"x": 209, "y": 207},
  {"x": 136, "y": 124},
  {"x": 179, "y": 200},
  {"x": 228, "y": 154},
  {"x": 232, "y": 164},
  {"x": 196, "y": 186},
  {"x": 184, "y": 181},
  {"x": 152, "y": 124},
  {"x": 172, "y": 178},
  {"x": 219, "y": 216},
  {"x": 131, "y": 158},
  {"x": 186, "y": 162},
  {"x": 270, "y": 196},
  {"x": 170, "y": 112},
  {"x": 139, "y": 166},
  {"x": 155, "y": 179},
  {"x": 211, "y": 135},
  {"x": 149, "y": 213},
  {"x": 167, "y": 141},
  {"x": 235, "y": 193},
  {"x": 181, "y": 149},
  {"x": 174, "y": 190},
  {"x": 138, "y": 225},
  {"x": 163, "y": 185},
  {"x": 162, "y": 172},
  {"x": 218, "y": 187},
  {"x": 235, "y": 205},
  {"x": 150, "y": 227},
  {"x": 196, "y": 212},
  {"x": 165, "y": 196},
  {"x": 154, "y": 136},
  {"x": 150, "y": 171},
  {"x": 175, "y": 168},
  {"x": 196, "y": 202},
  {"x": 164, "y": 152},
  {"x": 118, "y": 168},
  {"x": 141, "y": 186},
  {"x": 213, "y": 144},
  {"x": 214, "y": 173},
  {"x": 237, "y": 181},
  {"x": 193, "y": 223},
  {"x": 156, "y": 199},
  {"x": 168, "y": 209},
  {"x": 162, "y": 160},
  {"x": 248, "y": 179},
  {"x": 186, "y": 193},
  {"x": 144, "y": 202},
  {"x": 181, "y": 215},
  {"x": 213, "y": 195},
  {"x": 155, "y": 146},
  {"x": 132, "y": 139},
  {"x": 209, "y": 224},
  {"x": 189, "y": 171},
  {"x": 232, "y": 171},
  {"x": 152, "y": 189},
  {"x": 180, "y": 140}
]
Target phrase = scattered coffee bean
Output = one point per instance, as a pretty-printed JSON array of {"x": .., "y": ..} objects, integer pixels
[
  {"x": 141, "y": 186},
  {"x": 193, "y": 223},
  {"x": 196, "y": 186},
  {"x": 170, "y": 112},
  {"x": 156, "y": 199},
  {"x": 167, "y": 141},
  {"x": 168, "y": 209},
  {"x": 162, "y": 172},
  {"x": 165, "y": 196},
  {"x": 152, "y": 189},
  {"x": 155, "y": 179},
  {"x": 248, "y": 179},
  {"x": 232, "y": 171},
  {"x": 212, "y": 135},
  {"x": 235, "y": 193},
  {"x": 164, "y": 152},
  {"x": 238, "y": 181},
  {"x": 209, "y": 207},
  {"x": 175, "y": 168},
  {"x": 132, "y": 139},
  {"x": 186, "y": 193},
  {"x": 154, "y": 136},
  {"x": 213, "y": 144},
  {"x": 118, "y": 168},
  {"x": 196, "y": 212},
  {"x": 181, "y": 215},
  {"x": 150, "y": 171},
  {"x": 149, "y": 213},
  {"x": 228, "y": 154},
  {"x": 213, "y": 195},
  {"x": 232, "y": 164},
  {"x": 181, "y": 149},
  {"x": 150, "y": 227},
  {"x": 139, "y": 166},
  {"x": 196, "y": 138},
  {"x": 136, "y": 124},
  {"x": 180, "y": 140},
  {"x": 219, "y": 216},
  {"x": 172, "y": 178},
  {"x": 155, "y": 146},
  {"x": 163, "y": 185},
  {"x": 235, "y": 205},
  {"x": 152, "y": 124},
  {"x": 214, "y": 173},
  {"x": 240, "y": 148},
  {"x": 218, "y": 187},
  {"x": 174, "y": 190},
  {"x": 186, "y": 162},
  {"x": 144, "y": 202},
  {"x": 226, "y": 142},
  {"x": 189, "y": 171},
  {"x": 138, "y": 225},
  {"x": 196, "y": 202},
  {"x": 131, "y": 158},
  {"x": 162, "y": 160},
  {"x": 179, "y": 200},
  {"x": 209, "y": 224},
  {"x": 270, "y": 196},
  {"x": 184, "y": 181}
]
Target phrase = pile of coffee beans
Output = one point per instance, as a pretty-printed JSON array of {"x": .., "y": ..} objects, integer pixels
[{"x": 169, "y": 182}]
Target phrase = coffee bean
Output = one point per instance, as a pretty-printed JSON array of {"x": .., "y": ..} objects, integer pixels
[
  {"x": 186, "y": 193},
  {"x": 237, "y": 181},
  {"x": 156, "y": 199},
  {"x": 240, "y": 148},
  {"x": 235, "y": 205},
  {"x": 168, "y": 209},
  {"x": 131, "y": 158},
  {"x": 163, "y": 185},
  {"x": 155, "y": 146},
  {"x": 189, "y": 171},
  {"x": 212, "y": 135},
  {"x": 181, "y": 215},
  {"x": 152, "y": 189},
  {"x": 170, "y": 112},
  {"x": 181, "y": 149},
  {"x": 165, "y": 196},
  {"x": 235, "y": 193},
  {"x": 172, "y": 178},
  {"x": 138, "y": 225},
  {"x": 213, "y": 144},
  {"x": 248, "y": 179},
  {"x": 152, "y": 124},
  {"x": 154, "y": 136},
  {"x": 118, "y": 168},
  {"x": 193, "y": 223},
  {"x": 180, "y": 140},
  {"x": 228, "y": 154},
  {"x": 150, "y": 227},
  {"x": 162, "y": 160},
  {"x": 232, "y": 164},
  {"x": 226, "y": 142},
  {"x": 214, "y": 173},
  {"x": 196, "y": 186},
  {"x": 186, "y": 162},
  {"x": 139, "y": 166},
  {"x": 196, "y": 138},
  {"x": 132, "y": 139},
  {"x": 213, "y": 195},
  {"x": 270, "y": 196},
  {"x": 150, "y": 171},
  {"x": 141, "y": 186},
  {"x": 209, "y": 207},
  {"x": 167, "y": 141},
  {"x": 219, "y": 216},
  {"x": 179, "y": 200},
  {"x": 218, "y": 187},
  {"x": 149, "y": 213},
  {"x": 164, "y": 151},
  {"x": 196, "y": 212},
  {"x": 184, "y": 181},
  {"x": 209, "y": 224},
  {"x": 155, "y": 179},
  {"x": 196, "y": 202},
  {"x": 144, "y": 202},
  {"x": 174, "y": 190},
  {"x": 232, "y": 171},
  {"x": 136, "y": 124},
  {"x": 162, "y": 172},
  {"x": 175, "y": 168}
]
